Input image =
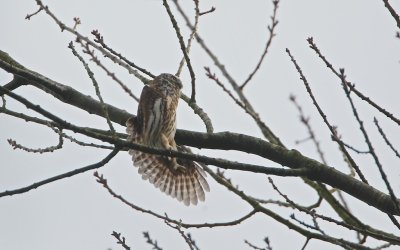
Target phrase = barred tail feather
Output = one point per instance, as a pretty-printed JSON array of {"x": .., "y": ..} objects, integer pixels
[{"x": 185, "y": 181}]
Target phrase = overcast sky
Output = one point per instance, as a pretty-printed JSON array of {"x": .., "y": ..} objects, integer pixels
[{"x": 77, "y": 213}]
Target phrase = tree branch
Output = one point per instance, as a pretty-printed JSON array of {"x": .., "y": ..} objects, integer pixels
[
  {"x": 230, "y": 141},
  {"x": 62, "y": 176}
]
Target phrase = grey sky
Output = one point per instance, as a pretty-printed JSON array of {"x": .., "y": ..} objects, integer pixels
[{"x": 77, "y": 213}]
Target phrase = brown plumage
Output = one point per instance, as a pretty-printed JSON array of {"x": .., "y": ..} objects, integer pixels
[{"x": 155, "y": 126}]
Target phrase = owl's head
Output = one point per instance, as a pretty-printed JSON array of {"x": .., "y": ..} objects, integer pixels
[{"x": 167, "y": 81}]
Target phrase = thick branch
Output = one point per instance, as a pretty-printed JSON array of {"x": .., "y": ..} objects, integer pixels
[{"x": 60, "y": 91}]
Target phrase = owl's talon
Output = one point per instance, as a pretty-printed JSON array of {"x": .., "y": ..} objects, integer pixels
[{"x": 179, "y": 168}]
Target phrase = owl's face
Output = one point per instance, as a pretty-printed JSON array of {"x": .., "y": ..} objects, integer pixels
[{"x": 167, "y": 82}]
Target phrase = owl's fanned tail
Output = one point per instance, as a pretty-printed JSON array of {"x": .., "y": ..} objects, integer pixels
[{"x": 183, "y": 179}]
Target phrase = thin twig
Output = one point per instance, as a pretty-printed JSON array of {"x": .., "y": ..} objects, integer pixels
[
  {"x": 352, "y": 87},
  {"x": 100, "y": 179},
  {"x": 392, "y": 12},
  {"x": 28, "y": 16},
  {"x": 205, "y": 12},
  {"x": 183, "y": 49},
  {"x": 273, "y": 215},
  {"x": 214, "y": 77},
  {"x": 182, "y": 234},
  {"x": 272, "y": 34},
  {"x": 79, "y": 36},
  {"x": 355, "y": 150},
  {"x": 99, "y": 39},
  {"x": 253, "y": 246},
  {"x": 324, "y": 117},
  {"x": 368, "y": 141},
  {"x": 192, "y": 241},
  {"x": 96, "y": 60},
  {"x": 95, "y": 84},
  {"x": 396, "y": 152},
  {"x": 310, "y": 131},
  {"x": 49, "y": 149},
  {"x": 85, "y": 144},
  {"x": 53, "y": 125},
  {"x": 268, "y": 134},
  {"x": 120, "y": 240},
  {"x": 361, "y": 228},
  {"x": 313, "y": 227},
  {"x": 200, "y": 112},
  {"x": 191, "y": 37},
  {"x": 151, "y": 242},
  {"x": 62, "y": 176},
  {"x": 266, "y": 240},
  {"x": 306, "y": 243}
]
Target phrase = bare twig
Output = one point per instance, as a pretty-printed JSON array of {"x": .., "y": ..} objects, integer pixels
[
  {"x": 352, "y": 87},
  {"x": 192, "y": 241},
  {"x": 85, "y": 144},
  {"x": 77, "y": 22},
  {"x": 273, "y": 215},
  {"x": 96, "y": 60},
  {"x": 191, "y": 37},
  {"x": 271, "y": 29},
  {"x": 240, "y": 103},
  {"x": 322, "y": 114},
  {"x": 182, "y": 234},
  {"x": 263, "y": 127},
  {"x": 28, "y": 16},
  {"x": 313, "y": 227},
  {"x": 306, "y": 243},
  {"x": 253, "y": 246},
  {"x": 49, "y": 149},
  {"x": 62, "y": 176},
  {"x": 311, "y": 133},
  {"x": 52, "y": 124},
  {"x": 183, "y": 49},
  {"x": 95, "y": 84},
  {"x": 151, "y": 242},
  {"x": 360, "y": 228},
  {"x": 100, "y": 179},
  {"x": 368, "y": 141},
  {"x": 396, "y": 152},
  {"x": 392, "y": 12},
  {"x": 79, "y": 36},
  {"x": 99, "y": 39},
  {"x": 355, "y": 150},
  {"x": 120, "y": 240},
  {"x": 206, "y": 12},
  {"x": 266, "y": 240},
  {"x": 200, "y": 112}
]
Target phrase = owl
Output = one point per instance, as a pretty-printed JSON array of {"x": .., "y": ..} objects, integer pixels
[{"x": 155, "y": 126}]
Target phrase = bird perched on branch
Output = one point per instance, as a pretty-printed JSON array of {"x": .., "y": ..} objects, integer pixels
[{"x": 155, "y": 126}]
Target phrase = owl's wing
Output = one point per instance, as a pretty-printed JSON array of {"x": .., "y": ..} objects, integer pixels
[
  {"x": 185, "y": 182},
  {"x": 149, "y": 110}
]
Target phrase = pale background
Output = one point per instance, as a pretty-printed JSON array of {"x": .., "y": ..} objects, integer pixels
[{"x": 77, "y": 213}]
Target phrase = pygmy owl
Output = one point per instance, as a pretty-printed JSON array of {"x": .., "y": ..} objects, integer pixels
[{"x": 155, "y": 126}]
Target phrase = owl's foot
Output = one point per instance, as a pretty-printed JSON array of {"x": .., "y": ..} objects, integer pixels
[
  {"x": 179, "y": 168},
  {"x": 175, "y": 166}
]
